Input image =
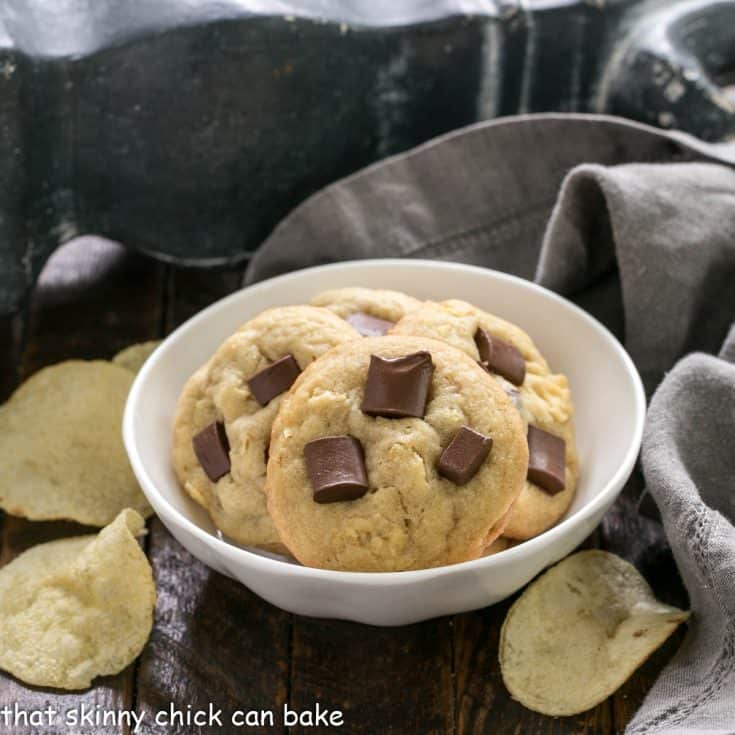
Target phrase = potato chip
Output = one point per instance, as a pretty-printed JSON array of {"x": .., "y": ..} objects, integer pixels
[
  {"x": 61, "y": 449},
  {"x": 133, "y": 357},
  {"x": 74, "y": 609},
  {"x": 579, "y": 631}
]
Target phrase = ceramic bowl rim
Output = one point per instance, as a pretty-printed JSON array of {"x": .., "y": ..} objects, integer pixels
[{"x": 277, "y": 567}]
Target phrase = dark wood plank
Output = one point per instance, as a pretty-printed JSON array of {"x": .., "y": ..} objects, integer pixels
[
  {"x": 11, "y": 339},
  {"x": 213, "y": 640},
  {"x": 384, "y": 680},
  {"x": 189, "y": 291},
  {"x": 20, "y": 535},
  {"x": 93, "y": 298},
  {"x": 70, "y": 712}
]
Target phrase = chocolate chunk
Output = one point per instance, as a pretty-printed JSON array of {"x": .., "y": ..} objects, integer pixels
[
  {"x": 546, "y": 460},
  {"x": 212, "y": 449},
  {"x": 399, "y": 386},
  {"x": 463, "y": 455},
  {"x": 274, "y": 380},
  {"x": 512, "y": 393},
  {"x": 500, "y": 357},
  {"x": 368, "y": 325},
  {"x": 336, "y": 469}
]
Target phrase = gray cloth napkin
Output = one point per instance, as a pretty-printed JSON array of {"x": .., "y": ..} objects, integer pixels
[{"x": 638, "y": 226}]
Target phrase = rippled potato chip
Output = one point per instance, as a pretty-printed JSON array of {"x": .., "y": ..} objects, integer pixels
[
  {"x": 74, "y": 609},
  {"x": 133, "y": 357},
  {"x": 579, "y": 631},
  {"x": 61, "y": 449}
]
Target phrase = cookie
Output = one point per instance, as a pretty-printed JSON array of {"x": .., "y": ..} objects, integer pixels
[
  {"x": 542, "y": 397},
  {"x": 61, "y": 448},
  {"x": 371, "y": 311},
  {"x": 365, "y": 444},
  {"x": 500, "y": 544},
  {"x": 497, "y": 532},
  {"x": 227, "y": 408}
]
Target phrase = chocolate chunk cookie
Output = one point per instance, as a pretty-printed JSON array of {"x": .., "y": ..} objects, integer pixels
[
  {"x": 542, "y": 397},
  {"x": 394, "y": 453},
  {"x": 371, "y": 311},
  {"x": 226, "y": 411}
]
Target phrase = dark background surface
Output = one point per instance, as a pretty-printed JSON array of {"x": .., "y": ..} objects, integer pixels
[
  {"x": 213, "y": 640},
  {"x": 187, "y": 130}
]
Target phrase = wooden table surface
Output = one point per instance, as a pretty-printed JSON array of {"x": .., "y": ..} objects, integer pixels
[{"x": 213, "y": 640}]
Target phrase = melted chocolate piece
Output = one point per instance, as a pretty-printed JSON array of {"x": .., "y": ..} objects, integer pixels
[
  {"x": 212, "y": 449},
  {"x": 546, "y": 460},
  {"x": 336, "y": 469},
  {"x": 368, "y": 325},
  {"x": 464, "y": 455},
  {"x": 274, "y": 379},
  {"x": 512, "y": 393},
  {"x": 500, "y": 357},
  {"x": 399, "y": 386}
]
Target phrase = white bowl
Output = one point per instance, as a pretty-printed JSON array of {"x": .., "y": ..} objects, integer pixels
[{"x": 610, "y": 409}]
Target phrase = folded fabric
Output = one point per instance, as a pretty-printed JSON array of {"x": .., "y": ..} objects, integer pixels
[{"x": 638, "y": 226}]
